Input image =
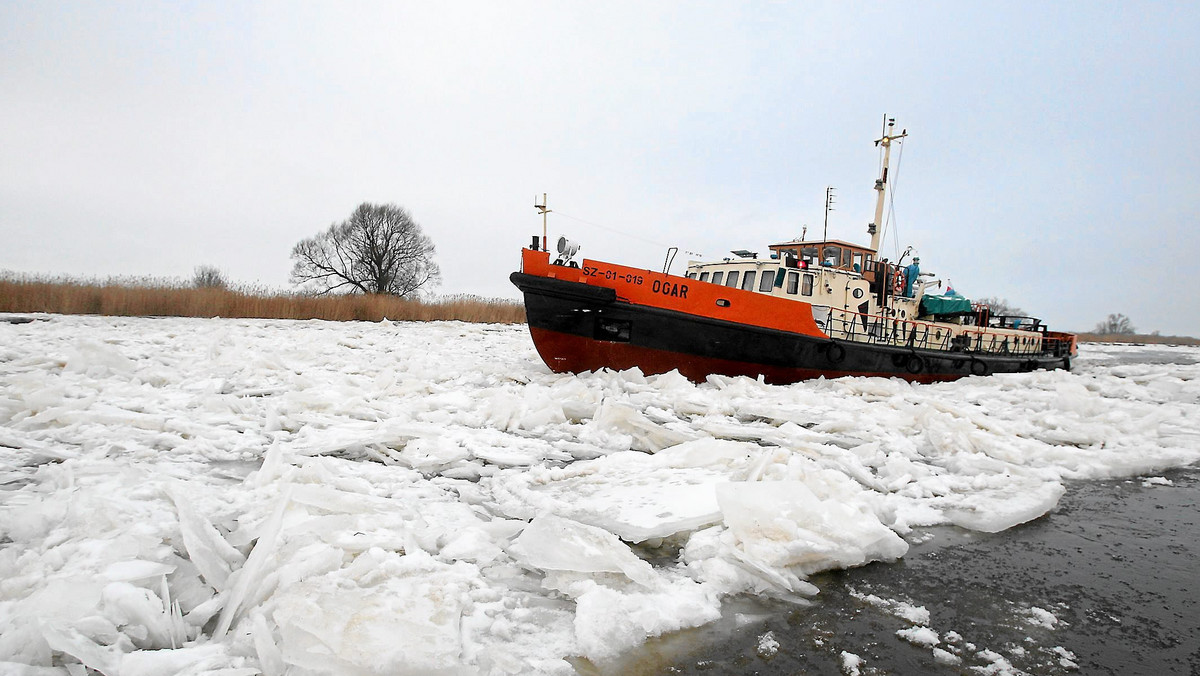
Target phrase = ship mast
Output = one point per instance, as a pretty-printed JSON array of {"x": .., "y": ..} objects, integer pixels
[
  {"x": 873, "y": 228},
  {"x": 543, "y": 211}
]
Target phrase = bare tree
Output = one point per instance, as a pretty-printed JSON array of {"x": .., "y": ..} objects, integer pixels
[
  {"x": 1001, "y": 307},
  {"x": 379, "y": 249},
  {"x": 208, "y": 277},
  {"x": 1117, "y": 324}
]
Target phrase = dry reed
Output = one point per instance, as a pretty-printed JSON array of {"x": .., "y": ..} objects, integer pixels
[{"x": 173, "y": 299}]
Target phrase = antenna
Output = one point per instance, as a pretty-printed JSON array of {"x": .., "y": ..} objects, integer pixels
[
  {"x": 829, "y": 202},
  {"x": 543, "y": 211}
]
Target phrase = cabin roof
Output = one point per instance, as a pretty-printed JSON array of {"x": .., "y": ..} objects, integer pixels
[{"x": 819, "y": 242}]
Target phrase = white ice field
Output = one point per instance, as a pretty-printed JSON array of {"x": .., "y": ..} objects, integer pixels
[{"x": 187, "y": 496}]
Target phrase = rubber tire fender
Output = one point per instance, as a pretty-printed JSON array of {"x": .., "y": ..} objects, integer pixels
[
  {"x": 979, "y": 367},
  {"x": 914, "y": 364},
  {"x": 835, "y": 352}
]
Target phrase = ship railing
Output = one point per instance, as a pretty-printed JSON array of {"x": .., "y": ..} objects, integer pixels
[
  {"x": 1057, "y": 347},
  {"x": 893, "y": 331},
  {"x": 897, "y": 332},
  {"x": 992, "y": 342}
]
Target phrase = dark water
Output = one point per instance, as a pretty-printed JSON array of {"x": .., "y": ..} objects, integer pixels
[{"x": 1115, "y": 564}]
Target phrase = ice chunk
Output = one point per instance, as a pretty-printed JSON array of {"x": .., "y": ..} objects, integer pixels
[
  {"x": 427, "y": 454},
  {"x": 851, "y": 664},
  {"x": 783, "y": 524},
  {"x": 553, "y": 543},
  {"x": 946, "y": 657},
  {"x": 768, "y": 645},
  {"x": 401, "y": 617},
  {"x": 141, "y": 612},
  {"x": 252, "y": 573},
  {"x": 1040, "y": 617},
  {"x": 1017, "y": 503},
  {"x": 132, "y": 571},
  {"x": 919, "y": 636},
  {"x": 170, "y": 661},
  {"x": 632, "y": 428},
  {"x": 97, "y": 359},
  {"x": 105, "y": 659},
  {"x": 266, "y": 646},
  {"x": 19, "y": 669},
  {"x": 902, "y": 609},
  {"x": 634, "y": 495},
  {"x": 609, "y": 622},
  {"x": 213, "y": 556}
]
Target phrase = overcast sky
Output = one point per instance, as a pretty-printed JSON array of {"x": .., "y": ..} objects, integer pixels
[{"x": 1053, "y": 156}]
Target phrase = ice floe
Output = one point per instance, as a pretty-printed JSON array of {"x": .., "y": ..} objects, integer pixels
[{"x": 252, "y": 496}]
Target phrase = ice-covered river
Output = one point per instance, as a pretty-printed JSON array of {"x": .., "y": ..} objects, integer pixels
[{"x": 185, "y": 496}]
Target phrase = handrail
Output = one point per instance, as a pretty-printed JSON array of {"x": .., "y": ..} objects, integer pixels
[{"x": 896, "y": 332}]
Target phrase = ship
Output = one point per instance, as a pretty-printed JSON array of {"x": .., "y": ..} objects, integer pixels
[{"x": 809, "y": 309}]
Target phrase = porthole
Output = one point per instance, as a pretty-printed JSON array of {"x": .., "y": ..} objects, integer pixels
[
  {"x": 903, "y": 314},
  {"x": 858, "y": 293}
]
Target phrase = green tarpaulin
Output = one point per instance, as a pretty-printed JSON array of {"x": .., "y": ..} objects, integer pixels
[{"x": 945, "y": 305}]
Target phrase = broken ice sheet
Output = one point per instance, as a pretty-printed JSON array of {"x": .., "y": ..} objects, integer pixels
[
  {"x": 784, "y": 525},
  {"x": 553, "y": 543},
  {"x": 637, "y": 496}
]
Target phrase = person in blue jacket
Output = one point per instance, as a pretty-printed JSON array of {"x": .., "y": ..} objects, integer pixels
[{"x": 910, "y": 276}]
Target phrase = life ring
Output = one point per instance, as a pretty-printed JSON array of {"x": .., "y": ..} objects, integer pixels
[
  {"x": 978, "y": 367},
  {"x": 914, "y": 364},
  {"x": 835, "y": 353},
  {"x": 898, "y": 282}
]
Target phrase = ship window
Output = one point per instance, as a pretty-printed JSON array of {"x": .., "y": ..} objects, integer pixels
[
  {"x": 748, "y": 280},
  {"x": 691, "y": 275},
  {"x": 846, "y": 258},
  {"x": 832, "y": 255},
  {"x": 767, "y": 282},
  {"x": 809, "y": 253},
  {"x": 858, "y": 262},
  {"x": 733, "y": 279},
  {"x": 704, "y": 276},
  {"x": 808, "y": 284},
  {"x": 718, "y": 277},
  {"x": 793, "y": 282}
]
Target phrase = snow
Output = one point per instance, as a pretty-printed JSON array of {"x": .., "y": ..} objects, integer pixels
[
  {"x": 1066, "y": 658},
  {"x": 1040, "y": 617},
  {"x": 851, "y": 664},
  {"x": 252, "y": 496},
  {"x": 919, "y": 636},
  {"x": 905, "y": 610},
  {"x": 768, "y": 645}
]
